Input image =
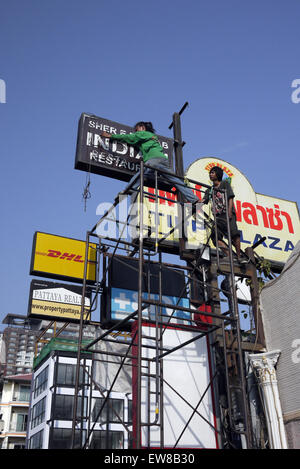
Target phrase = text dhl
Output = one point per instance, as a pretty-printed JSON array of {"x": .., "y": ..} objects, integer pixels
[
  {"x": 272, "y": 218},
  {"x": 67, "y": 256}
]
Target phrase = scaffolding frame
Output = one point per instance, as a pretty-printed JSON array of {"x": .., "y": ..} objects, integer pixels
[
  {"x": 223, "y": 326},
  {"x": 223, "y": 332}
]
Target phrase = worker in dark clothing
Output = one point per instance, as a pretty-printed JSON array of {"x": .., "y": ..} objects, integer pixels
[
  {"x": 216, "y": 176},
  {"x": 145, "y": 140}
]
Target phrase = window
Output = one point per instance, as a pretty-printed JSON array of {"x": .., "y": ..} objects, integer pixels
[
  {"x": 24, "y": 393},
  {"x": 113, "y": 410},
  {"x": 107, "y": 440},
  {"x": 36, "y": 441},
  {"x": 40, "y": 382},
  {"x": 38, "y": 413},
  {"x": 66, "y": 374},
  {"x": 21, "y": 425},
  {"x": 62, "y": 438},
  {"x": 64, "y": 405}
]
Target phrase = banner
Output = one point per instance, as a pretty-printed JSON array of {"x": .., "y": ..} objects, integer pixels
[{"x": 58, "y": 257}]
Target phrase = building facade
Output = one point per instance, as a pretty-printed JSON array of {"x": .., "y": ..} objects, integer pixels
[
  {"x": 52, "y": 404},
  {"x": 14, "y": 406},
  {"x": 280, "y": 304},
  {"x": 20, "y": 343}
]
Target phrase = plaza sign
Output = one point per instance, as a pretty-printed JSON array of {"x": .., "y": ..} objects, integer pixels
[{"x": 258, "y": 215}]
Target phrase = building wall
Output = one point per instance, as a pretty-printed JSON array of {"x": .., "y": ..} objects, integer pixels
[
  {"x": 280, "y": 305},
  {"x": 54, "y": 431},
  {"x": 14, "y": 410},
  {"x": 20, "y": 347}
]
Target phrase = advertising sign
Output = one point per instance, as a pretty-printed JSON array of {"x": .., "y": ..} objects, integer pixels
[
  {"x": 121, "y": 297},
  {"x": 57, "y": 301},
  {"x": 58, "y": 257},
  {"x": 170, "y": 221},
  {"x": 258, "y": 215},
  {"x": 124, "y": 302},
  {"x": 114, "y": 159}
]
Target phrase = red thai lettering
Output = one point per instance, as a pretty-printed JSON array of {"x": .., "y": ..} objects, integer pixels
[
  {"x": 168, "y": 195},
  {"x": 271, "y": 217},
  {"x": 198, "y": 192},
  {"x": 274, "y": 218},
  {"x": 249, "y": 214},
  {"x": 238, "y": 210},
  {"x": 289, "y": 221},
  {"x": 264, "y": 215}
]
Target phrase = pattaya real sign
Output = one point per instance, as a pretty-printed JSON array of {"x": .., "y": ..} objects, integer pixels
[
  {"x": 258, "y": 215},
  {"x": 57, "y": 301}
]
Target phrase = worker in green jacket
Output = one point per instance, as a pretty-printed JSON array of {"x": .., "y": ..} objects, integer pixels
[{"x": 144, "y": 139}]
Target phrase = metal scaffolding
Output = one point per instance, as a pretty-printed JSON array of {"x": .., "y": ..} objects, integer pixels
[{"x": 228, "y": 375}]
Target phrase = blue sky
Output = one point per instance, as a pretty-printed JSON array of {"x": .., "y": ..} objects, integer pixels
[{"x": 234, "y": 62}]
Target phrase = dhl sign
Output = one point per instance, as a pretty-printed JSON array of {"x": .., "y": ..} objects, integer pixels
[{"x": 62, "y": 258}]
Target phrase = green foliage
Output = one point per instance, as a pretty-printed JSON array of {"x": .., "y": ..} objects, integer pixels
[{"x": 263, "y": 269}]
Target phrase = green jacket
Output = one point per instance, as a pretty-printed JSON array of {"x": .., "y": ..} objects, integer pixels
[{"x": 145, "y": 141}]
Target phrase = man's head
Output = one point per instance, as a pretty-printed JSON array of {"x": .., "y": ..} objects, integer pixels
[
  {"x": 216, "y": 173},
  {"x": 142, "y": 126}
]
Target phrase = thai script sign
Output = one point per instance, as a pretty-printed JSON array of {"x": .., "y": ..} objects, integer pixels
[{"x": 258, "y": 215}]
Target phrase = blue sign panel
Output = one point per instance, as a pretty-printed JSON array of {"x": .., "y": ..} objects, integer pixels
[{"x": 125, "y": 302}]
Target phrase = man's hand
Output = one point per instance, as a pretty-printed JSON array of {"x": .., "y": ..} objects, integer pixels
[{"x": 105, "y": 134}]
